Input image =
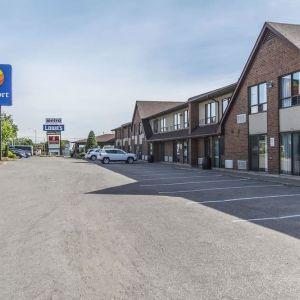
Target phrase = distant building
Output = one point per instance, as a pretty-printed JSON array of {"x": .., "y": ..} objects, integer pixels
[{"x": 102, "y": 140}]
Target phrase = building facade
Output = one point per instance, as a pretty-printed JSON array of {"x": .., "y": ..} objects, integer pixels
[
  {"x": 123, "y": 137},
  {"x": 262, "y": 127},
  {"x": 168, "y": 135},
  {"x": 141, "y": 128},
  {"x": 206, "y": 112},
  {"x": 251, "y": 125}
]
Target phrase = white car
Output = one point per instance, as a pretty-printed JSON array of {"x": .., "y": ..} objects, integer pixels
[
  {"x": 93, "y": 154},
  {"x": 108, "y": 155}
]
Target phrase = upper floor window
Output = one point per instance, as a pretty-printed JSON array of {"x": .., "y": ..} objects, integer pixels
[
  {"x": 225, "y": 103},
  {"x": 163, "y": 127},
  {"x": 210, "y": 113},
  {"x": 186, "y": 119},
  {"x": 290, "y": 89},
  {"x": 258, "y": 98},
  {"x": 155, "y": 126},
  {"x": 140, "y": 128},
  {"x": 177, "y": 121}
]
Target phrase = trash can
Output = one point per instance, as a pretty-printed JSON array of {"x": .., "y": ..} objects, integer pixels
[
  {"x": 206, "y": 163},
  {"x": 150, "y": 159}
]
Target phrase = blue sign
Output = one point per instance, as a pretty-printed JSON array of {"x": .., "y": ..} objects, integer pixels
[
  {"x": 59, "y": 128},
  {"x": 5, "y": 85}
]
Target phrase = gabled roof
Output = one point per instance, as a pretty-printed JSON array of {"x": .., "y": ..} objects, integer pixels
[
  {"x": 215, "y": 93},
  {"x": 149, "y": 108},
  {"x": 123, "y": 125},
  {"x": 126, "y": 124},
  {"x": 104, "y": 138},
  {"x": 288, "y": 32},
  {"x": 169, "y": 110}
]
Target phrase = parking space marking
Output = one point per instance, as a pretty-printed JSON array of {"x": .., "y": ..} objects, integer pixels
[
  {"x": 266, "y": 219},
  {"x": 186, "y": 169},
  {"x": 223, "y": 188},
  {"x": 190, "y": 182},
  {"x": 156, "y": 174},
  {"x": 247, "y": 198},
  {"x": 180, "y": 177}
]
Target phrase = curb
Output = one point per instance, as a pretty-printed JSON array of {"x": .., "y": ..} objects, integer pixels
[{"x": 264, "y": 177}]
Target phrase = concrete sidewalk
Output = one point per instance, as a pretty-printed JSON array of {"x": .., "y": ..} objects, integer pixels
[
  {"x": 274, "y": 178},
  {"x": 280, "y": 178}
]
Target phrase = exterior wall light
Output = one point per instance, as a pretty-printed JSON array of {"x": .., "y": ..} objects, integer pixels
[{"x": 270, "y": 84}]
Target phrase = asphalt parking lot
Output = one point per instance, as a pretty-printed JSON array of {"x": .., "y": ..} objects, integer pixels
[
  {"x": 270, "y": 204},
  {"x": 74, "y": 229}
]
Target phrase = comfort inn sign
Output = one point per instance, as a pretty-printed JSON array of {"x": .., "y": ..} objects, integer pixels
[{"x": 5, "y": 85}]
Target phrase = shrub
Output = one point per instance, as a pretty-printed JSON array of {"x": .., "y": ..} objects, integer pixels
[
  {"x": 81, "y": 155},
  {"x": 11, "y": 155}
]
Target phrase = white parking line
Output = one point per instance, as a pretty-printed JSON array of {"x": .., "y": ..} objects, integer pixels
[
  {"x": 157, "y": 174},
  {"x": 189, "y": 182},
  {"x": 266, "y": 219},
  {"x": 180, "y": 177},
  {"x": 186, "y": 169},
  {"x": 242, "y": 199},
  {"x": 224, "y": 188}
]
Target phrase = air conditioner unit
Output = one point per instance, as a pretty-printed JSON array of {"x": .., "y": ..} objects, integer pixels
[
  {"x": 240, "y": 119},
  {"x": 242, "y": 164},
  {"x": 228, "y": 164}
]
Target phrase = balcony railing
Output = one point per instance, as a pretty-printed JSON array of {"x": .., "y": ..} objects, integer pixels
[
  {"x": 292, "y": 101},
  {"x": 172, "y": 128},
  {"x": 208, "y": 121}
]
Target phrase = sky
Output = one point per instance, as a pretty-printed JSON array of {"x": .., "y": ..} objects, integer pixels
[{"x": 88, "y": 61}]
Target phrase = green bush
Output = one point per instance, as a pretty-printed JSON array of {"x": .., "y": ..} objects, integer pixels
[
  {"x": 11, "y": 155},
  {"x": 81, "y": 155}
]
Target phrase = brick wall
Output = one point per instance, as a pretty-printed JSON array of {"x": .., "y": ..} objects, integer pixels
[{"x": 274, "y": 58}]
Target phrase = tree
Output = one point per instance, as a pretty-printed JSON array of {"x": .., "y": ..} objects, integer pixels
[
  {"x": 91, "y": 141},
  {"x": 9, "y": 129},
  {"x": 23, "y": 141},
  {"x": 64, "y": 144}
]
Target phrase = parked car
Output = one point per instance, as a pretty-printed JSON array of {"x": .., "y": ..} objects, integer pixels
[
  {"x": 27, "y": 148},
  {"x": 19, "y": 153},
  {"x": 108, "y": 155},
  {"x": 93, "y": 154},
  {"x": 88, "y": 152},
  {"x": 17, "y": 150}
]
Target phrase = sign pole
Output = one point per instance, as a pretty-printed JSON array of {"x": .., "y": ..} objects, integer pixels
[{"x": 0, "y": 133}]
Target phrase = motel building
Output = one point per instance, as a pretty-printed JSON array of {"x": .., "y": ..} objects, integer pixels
[
  {"x": 262, "y": 124},
  {"x": 123, "y": 137},
  {"x": 253, "y": 124},
  {"x": 140, "y": 124},
  {"x": 189, "y": 132}
]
